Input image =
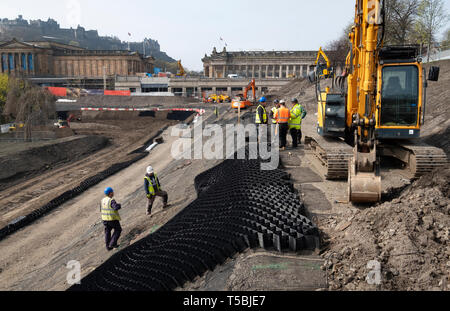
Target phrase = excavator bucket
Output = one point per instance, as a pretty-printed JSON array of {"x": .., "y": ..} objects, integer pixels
[{"x": 363, "y": 187}]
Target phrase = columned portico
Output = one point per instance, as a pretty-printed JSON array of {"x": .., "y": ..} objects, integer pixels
[{"x": 256, "y": 64}]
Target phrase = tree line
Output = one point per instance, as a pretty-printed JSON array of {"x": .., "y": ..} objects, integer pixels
[{"x": 406, "y": 22}]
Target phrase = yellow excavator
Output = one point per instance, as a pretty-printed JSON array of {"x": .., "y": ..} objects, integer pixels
[
  {"x": 181, "y": 72},
  {"x": 375, "y": 108},
  {"x": 324, "y": 70}
]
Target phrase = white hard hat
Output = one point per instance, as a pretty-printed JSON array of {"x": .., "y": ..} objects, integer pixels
[
  {"x": 282, "y": 101},
  {"x": 150, "y": 170}
]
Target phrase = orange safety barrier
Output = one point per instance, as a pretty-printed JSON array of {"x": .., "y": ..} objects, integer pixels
[
  {"x": 117, "y": 93},
  {"x": 57, "y": 91}
]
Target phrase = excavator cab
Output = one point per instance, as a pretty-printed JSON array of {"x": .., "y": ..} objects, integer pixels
[{"x": 402, "y": 87}]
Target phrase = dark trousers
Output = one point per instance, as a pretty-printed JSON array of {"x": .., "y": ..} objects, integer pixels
[
  {"x": 111, "y": 241},
  {"x": 264, "y": 134},
  {"x": 294, "y": 135},
  {"x": 284, "y": 127},
  {"x": 159, "y": 193}
]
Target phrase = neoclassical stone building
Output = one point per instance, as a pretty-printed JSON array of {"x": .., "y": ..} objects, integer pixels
[
  {"x": 256, "y": 64},
  {"x": 51, "y": 59}
]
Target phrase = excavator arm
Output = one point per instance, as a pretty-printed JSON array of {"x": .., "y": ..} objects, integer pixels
[
  {"x": 364, "y": 176},
  {"x": 324, "y": 71},
  {"x": 181, "y": 71},
  {"x": 252, "y": 86}
]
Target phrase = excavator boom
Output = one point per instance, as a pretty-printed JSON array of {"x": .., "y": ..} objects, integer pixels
[
  {"x": 364, "y": 180},
  {"x": 243, "y": 101},
  {"x": 251, "y": 86},
  {"x": 181, "y": 71}
]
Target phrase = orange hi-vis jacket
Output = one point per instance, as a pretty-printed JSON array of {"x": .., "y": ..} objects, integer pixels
[{"x": 282, "y": 115}]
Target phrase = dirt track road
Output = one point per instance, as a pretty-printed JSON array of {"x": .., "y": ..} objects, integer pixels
[{"x": 35, "y": 258}]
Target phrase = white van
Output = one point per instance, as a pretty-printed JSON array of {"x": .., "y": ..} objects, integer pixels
[{"x": 233, "y": 76}]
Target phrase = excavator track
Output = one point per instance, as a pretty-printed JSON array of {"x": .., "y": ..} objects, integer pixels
[
  {"x": 333, "y": 156},
  {"x": 419, "y": 157}
]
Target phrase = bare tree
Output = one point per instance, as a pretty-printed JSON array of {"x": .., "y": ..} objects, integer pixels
[
  {"x": 399, "y": 20},
  {"x": 431, "y": 17},
  {"x": 35, "y": 108},
  {"x": 445, "y": 44},
  {"x": 337, "y": 50},
  {"x": 15, "y": 90},
  {"x": 29, "y": 105}
]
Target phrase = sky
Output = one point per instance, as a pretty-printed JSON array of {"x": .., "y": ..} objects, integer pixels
[{"x": 189, "y": 29}]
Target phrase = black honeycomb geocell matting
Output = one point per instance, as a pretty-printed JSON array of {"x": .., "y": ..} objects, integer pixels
[{"x": 238, "y": 206}]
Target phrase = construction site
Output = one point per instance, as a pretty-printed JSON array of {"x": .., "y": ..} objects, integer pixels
[{"x": 333, "y": 215}]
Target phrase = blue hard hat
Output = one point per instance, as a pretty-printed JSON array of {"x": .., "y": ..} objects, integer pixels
[
  {"x": 262, "y": 100},
  {"x": 108, "y": 190}
]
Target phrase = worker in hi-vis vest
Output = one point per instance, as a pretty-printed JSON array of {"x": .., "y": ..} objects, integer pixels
[
  {"x": 153, "y": 189},
  {"x": 261, "y": 119},
  {"x": 282, "y": 116},
  {"x": 298, "y": 113},
  {"x": 111, "y": 219},
  {"x": 276, "y": 105}
]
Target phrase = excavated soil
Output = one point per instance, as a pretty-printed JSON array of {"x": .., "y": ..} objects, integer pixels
[
  {"x": 408, "y": 236},
  {"x": 25, "y": 159},
  {"x": 437, "y": 121}
]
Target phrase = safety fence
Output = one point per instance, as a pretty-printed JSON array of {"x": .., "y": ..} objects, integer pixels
[
  {"x": 199, "y": 111},
  {"x": 64, "y": 92},
  {"x": 239, "y": 206},
  {"x": 23, "y": 221}
]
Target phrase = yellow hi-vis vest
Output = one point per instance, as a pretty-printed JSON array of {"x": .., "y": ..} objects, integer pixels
[
  {"x": 258, "y": 120},
  {"x": 274, "y": 110},
  {"x": 151, "y": 189},
  {"x": 295, "y": 121},
  {"x": 108, "y": 214}
]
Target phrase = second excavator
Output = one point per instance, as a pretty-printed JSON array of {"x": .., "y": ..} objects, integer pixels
[
  {"x": 242, "y": 101},
  {"x": 375, "y": 108}
]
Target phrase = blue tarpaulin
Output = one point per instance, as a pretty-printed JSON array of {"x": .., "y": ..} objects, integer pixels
[
  {"x": 95, "y": 92},
  {"x": 24, "y": 61},
  {"x": 30, "y": 61}
]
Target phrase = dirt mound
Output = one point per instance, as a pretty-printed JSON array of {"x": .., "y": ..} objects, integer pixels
[
  {"x": 301, "y": 89},
  {"x": 440, "y": 140},
  {"x": 32, "y": 160},
  {"x": 132, "y": 101},
  {"x": 437, "y": 120},
  {"x": 408, "y": 236}
]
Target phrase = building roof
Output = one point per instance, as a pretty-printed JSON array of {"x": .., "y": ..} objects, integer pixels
[
  {"x": 61, "y": 49},
  {"x": 40, "y": 45},
  {"x": 239, "y": 54}
]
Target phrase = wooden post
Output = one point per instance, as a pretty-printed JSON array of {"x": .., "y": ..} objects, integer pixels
[
  {"x": 239, "y": 114},
  {"x": 104, "y": 78}
]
